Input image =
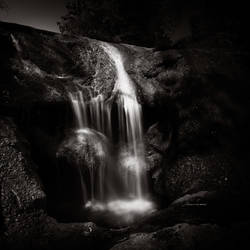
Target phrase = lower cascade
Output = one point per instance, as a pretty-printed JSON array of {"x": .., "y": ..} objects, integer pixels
[{"x": 116, "y": 180}]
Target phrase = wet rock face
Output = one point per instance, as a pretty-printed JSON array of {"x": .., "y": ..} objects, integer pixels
[
  {"x": 83, "y": 155},
  {"x": 83, "y": 148},
  {"x": 66, "y": 65}
]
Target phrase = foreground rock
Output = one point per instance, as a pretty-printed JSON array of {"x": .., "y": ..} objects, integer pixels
[{"x": 180, "y": 237}]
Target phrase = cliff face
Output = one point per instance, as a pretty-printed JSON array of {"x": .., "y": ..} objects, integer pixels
[{"x": 196, "y": 119}]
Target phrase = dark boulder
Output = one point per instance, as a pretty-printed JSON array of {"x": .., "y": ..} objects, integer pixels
[
  {"x": 193, "y": 173},
  {"x": 180, "y": 237},
  {"x": 21, "y": 189},
  {"x": 82, "y": 160},
  {"x": 67, "y": 64},
  {"x": 85, "y": 148}
]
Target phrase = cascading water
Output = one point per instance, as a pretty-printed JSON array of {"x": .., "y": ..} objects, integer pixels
[{"x": 119, "y": 185}]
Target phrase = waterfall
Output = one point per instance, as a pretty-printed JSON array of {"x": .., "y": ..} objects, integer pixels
[
  {"x": 130, "y": 126},
  {"x": 126, "y": 175}
]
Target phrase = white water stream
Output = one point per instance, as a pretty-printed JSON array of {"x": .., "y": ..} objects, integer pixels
[{"x": 129, "y": 166}]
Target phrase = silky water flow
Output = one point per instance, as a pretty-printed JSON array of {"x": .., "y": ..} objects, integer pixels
[{"x": 117, "y": 184}]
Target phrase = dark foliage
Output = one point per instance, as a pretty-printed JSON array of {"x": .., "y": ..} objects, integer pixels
[{"x": 153, "y": 22}]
